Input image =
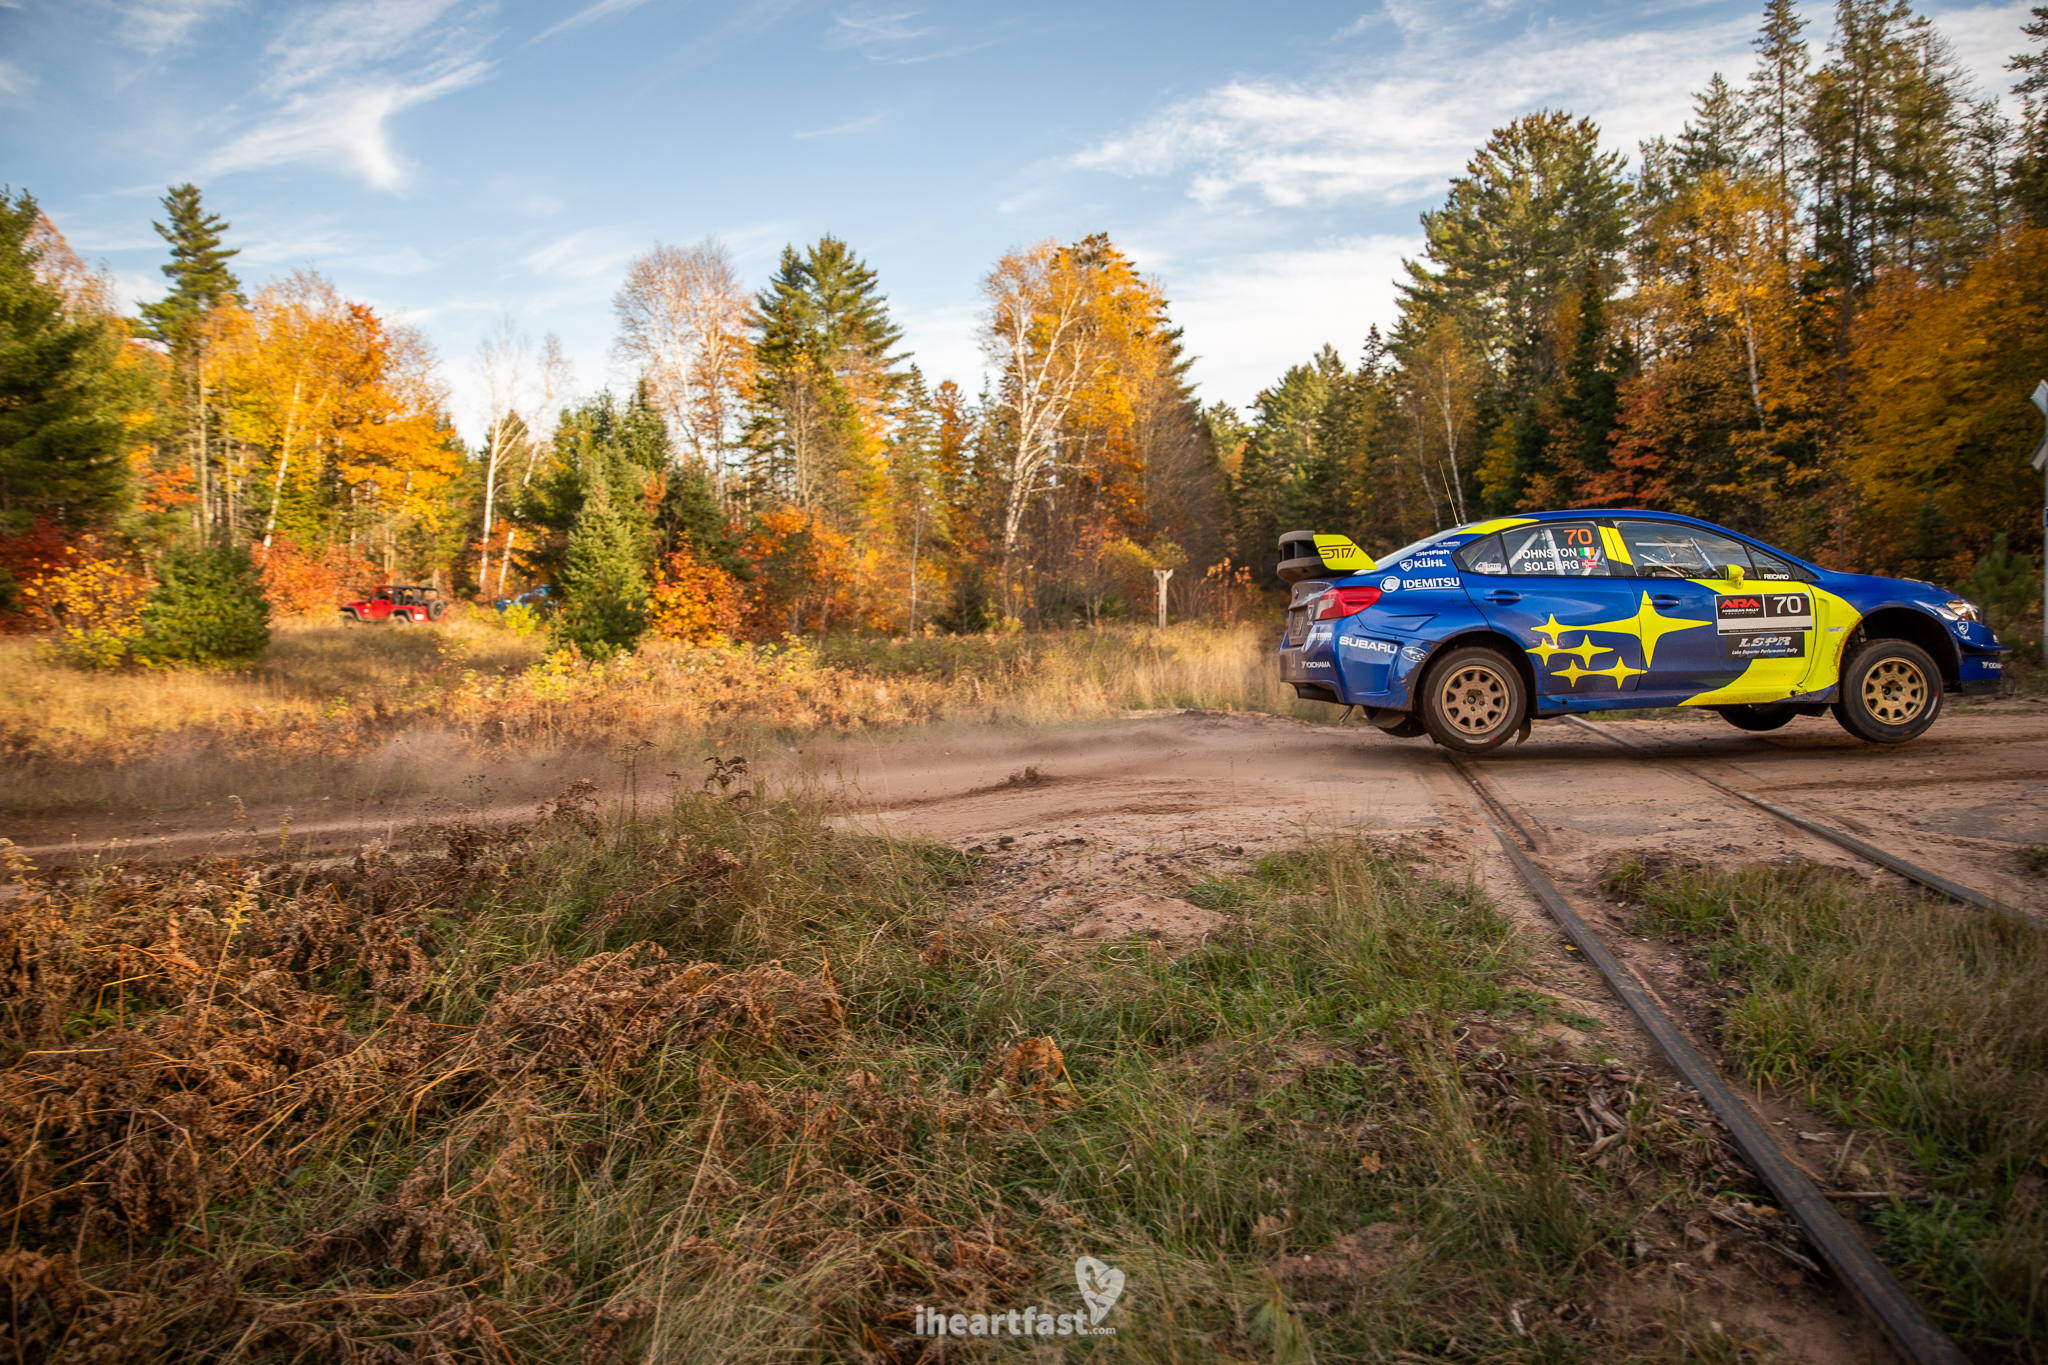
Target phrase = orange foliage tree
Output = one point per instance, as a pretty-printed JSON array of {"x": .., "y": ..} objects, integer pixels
[
  {"x": 322, "y": 391},
  {"x": 694, "y": 602}
]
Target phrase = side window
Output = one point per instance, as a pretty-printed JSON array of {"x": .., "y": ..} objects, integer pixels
[
  {"x": 1556, "y": 549},
  {"x": 1663, "y": 549},
  {"x": 1769, "y": 565},
  {"x": 1483, "y": 556}
]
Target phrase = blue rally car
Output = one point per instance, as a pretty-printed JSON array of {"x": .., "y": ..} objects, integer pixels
[{"x": 1470, "y": 634}]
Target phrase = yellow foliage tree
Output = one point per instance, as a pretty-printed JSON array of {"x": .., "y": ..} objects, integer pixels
[{"x": 1941, "y": 396}]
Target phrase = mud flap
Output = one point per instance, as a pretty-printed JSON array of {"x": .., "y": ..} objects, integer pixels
[{"x": 1522, "y": 735}]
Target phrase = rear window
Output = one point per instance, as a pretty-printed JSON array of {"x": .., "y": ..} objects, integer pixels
[{"x": 1555, "y": 549}]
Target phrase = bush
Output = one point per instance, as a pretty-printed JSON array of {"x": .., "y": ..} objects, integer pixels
[
  {"x": 694, "y": 602},
  {"x": 208, "y": 608},
  {"x": 92, "y": 602}
]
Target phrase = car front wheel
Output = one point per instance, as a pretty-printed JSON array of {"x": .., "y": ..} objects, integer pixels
[
  {"x": 1472, "y": 700},
  {"x": 1891, "y": 692}
]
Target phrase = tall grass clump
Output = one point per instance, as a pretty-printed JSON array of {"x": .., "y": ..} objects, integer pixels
[
  {"x": 728, "y": 1085},
  {"x": 1912, "y": 1016}
]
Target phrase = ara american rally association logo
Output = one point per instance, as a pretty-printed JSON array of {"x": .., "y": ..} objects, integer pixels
[{"x": 1100, "y": 1285}]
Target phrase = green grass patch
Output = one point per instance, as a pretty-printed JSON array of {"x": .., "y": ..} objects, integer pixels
[
  {"x": 1920, "y": 1019},
  {"x": 728, "y": 1084}
]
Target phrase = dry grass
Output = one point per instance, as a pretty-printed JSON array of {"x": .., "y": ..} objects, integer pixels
[
  {"x": 379, "y": 712},
  {"x": 726, "y": 1085}
]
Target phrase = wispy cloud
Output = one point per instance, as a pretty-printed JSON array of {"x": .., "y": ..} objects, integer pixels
[
  {"x": 888, "y": 36},
  {"x": 584, "y": 254},
  {"x": 859, "y": 125},
  {"x": 603, "y": 9},
  {"x": 154, "y": 25},
  {"x": 1397, "y": 133},
  {"x": 337, "y": 76},
  {"x": 14, "y": 81}
]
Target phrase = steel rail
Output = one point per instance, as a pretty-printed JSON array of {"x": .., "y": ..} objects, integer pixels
[
  {"x": 1934, "y": 881},
  {"x": 1902, "y": 1319}
]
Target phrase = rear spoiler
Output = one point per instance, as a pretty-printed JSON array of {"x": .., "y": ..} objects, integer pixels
[{"x": 1304, "y": 554}]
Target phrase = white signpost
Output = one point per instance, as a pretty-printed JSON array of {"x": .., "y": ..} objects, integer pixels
[
  {"x": 2041, "y": 464},
  {"x": 1163, "y": 574}
]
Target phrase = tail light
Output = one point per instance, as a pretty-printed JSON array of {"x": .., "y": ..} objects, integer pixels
[{"x": 1338, "y": 603}]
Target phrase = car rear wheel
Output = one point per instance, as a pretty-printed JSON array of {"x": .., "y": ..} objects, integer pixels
[
  {"x": 401, "y": 618},
  {"x": 1891, "y": 692},
  {"x": 1758, "y": 718},
  {"x": 1472, "y": 700}
]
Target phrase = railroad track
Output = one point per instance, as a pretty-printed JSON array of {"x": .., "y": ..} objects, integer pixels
[{"x": 1909, "y": 1328}]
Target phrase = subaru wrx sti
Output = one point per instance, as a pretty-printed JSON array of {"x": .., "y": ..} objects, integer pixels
[{"x": 1469, "y": 635}]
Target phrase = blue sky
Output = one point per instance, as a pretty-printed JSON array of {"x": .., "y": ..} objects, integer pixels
[{"x": 454, "y": 161}]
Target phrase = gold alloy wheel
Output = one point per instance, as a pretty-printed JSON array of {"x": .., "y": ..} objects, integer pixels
[
  {"x": 1474, "y": 700},
  {"x": 1895, "y": 692}
]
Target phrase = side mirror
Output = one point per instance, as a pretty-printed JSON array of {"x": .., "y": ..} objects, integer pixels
[{"x": 1735, "y": 575}]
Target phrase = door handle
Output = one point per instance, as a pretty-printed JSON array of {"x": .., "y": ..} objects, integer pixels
[
  {"x": 1501, "y": 597},
  {"x": 1663, "y": 601}
]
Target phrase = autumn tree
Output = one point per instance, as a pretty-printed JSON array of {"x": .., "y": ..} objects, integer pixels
[
  {"x": 685, "y": 322},
  {"x": 65, "y": 397}
]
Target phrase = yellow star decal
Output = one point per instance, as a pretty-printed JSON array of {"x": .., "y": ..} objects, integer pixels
[
  {"x": 1648, "y": 623},
  {"x": 1553, "y": 629},
  {"x": 1573, "y": 672},
  {"x": 1544, "y": 652},
  {"x": 1587, "y": 650},
  {"x": 1619, "y": 672}
]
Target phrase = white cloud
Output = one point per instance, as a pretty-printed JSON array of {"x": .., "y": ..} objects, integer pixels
[
  {"x": 1399, "y": 133},
  {"x": 13, "y": 80},
  {"x": 345, "y": 125},
  {"x": 338, "y": 74},
  {"x": 1985, "y": 38},
  {"x": 945, "y": 342},
  {"x": 1251, "y": 318}
]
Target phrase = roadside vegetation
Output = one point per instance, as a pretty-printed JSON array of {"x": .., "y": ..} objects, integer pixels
[
  {"x": 362, "y": 712},
  {"x": 1919, "y": 1027},
  {"x": 726, "y": 1084}
]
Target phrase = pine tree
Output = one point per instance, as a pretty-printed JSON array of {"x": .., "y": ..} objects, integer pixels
[
  {"x": 2030, "y": 166},
  {"x": 208, "y": 608},
  {"x": 62, "y": 393},
  {"x": 1714, "y": 142},
  {"x": 826, "y": 344},
  {"x": 604, "y": 578},
  {"x": 198, "y": 270},
  {"x": 1776, "y": 101}
]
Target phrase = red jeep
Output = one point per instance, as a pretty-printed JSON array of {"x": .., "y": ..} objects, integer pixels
[{"x": 400, "y": 604}]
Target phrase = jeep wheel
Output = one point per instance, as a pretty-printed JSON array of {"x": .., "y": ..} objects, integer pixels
[
  {"x": 400, "y": 618},
  {"x": 1757, "y": 719},
  {"x": 1891, "y": 692},
  {"x": 1472, "y": 700}
]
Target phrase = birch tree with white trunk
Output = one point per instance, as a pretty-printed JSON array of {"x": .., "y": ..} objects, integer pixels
[{"x": 686, "y": 322}]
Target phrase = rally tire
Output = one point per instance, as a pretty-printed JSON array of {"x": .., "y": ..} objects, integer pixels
[
  {"x": 1890, "y": 693},
  {"x": 1757, "y": 719},
  {"x": 1472, "y": 700}
]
